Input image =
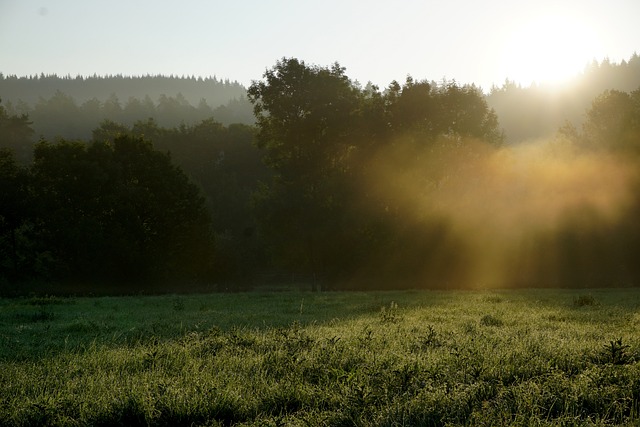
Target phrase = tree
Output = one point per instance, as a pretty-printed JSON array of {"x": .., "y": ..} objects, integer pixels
[
  {"x": 16, "y": 134},
  {"x": 326, "y": 140},
  {"x": 411, "y": 108},
  {"x": 613, "y": 121},
  {"x": 463, "y": 112},
  {"x": 13, "y": 212},
  {"x": 112, "y": 109},
  {"x": 118, "y": 211},
  {"x": 425, "y": 111},
  {"x": 108, "y": 131},
  {"x": 305, "y": 118},
  {"x": 58, "y": 116}
]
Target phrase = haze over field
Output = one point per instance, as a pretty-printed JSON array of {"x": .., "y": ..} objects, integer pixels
[{"x": 499, "y": 206}]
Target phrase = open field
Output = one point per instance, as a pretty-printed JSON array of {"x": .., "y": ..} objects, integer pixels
[{"x": 535, "y": 357}]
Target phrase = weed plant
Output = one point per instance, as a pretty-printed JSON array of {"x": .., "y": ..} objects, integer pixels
[{"x": 331, "y": 359}]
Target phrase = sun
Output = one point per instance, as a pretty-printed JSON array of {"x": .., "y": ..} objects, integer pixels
[{"x": 548, "y": 49}]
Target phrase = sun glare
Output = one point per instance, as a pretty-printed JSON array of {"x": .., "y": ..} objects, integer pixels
[{"x": 549, "y": 50}]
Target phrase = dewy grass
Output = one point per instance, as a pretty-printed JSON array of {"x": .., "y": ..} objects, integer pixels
[{"x": 429, "y": 358}]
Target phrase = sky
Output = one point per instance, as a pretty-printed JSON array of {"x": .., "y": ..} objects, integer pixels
[{"x": 471, "y": 41}]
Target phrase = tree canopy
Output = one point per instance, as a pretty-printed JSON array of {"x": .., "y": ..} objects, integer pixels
[
  {"x": 318, "y": 130},
  {"x": 118, "y": 212}
]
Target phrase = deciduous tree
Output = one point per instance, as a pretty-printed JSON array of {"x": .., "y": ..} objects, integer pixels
[{"x": 305, "y": 117}]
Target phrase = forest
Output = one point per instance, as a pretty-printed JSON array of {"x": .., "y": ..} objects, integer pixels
[
  {"x": 309, "y": 177},
  {"x": 71, "y": 107}
]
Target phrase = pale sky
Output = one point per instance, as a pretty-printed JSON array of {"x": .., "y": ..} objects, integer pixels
[{"x": 471, "y": 41}]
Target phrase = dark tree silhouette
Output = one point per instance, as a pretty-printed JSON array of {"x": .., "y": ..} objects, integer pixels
[
  {"x": 117, "y": 211},
  {"x": 14, "y": 211},
  {"x": 305, "y": 117}
]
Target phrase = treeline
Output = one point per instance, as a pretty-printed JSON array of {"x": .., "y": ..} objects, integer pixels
[
  {"x": 61, "y": 116},
  {"x": 537, "y": 111},
  {"x": 71, "y": 107},
  {"x": 339, "y": 185},
  {"x": 116, "y": 214},
  {"x": 284, "y": 218},
  {"x": 30, "y": 89}
]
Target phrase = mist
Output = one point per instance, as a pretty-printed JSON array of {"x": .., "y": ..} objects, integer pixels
[{"x": 544, "y": 213}]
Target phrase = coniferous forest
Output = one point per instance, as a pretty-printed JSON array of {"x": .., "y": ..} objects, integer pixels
[{"x": 152, "y": 184}]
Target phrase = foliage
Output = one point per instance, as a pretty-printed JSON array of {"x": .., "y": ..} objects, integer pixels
[
  {"x": 360, "y": 188},
  {"x": 306, "y": 117},
  {"x": 15, "y": 152},
  {"x": 13, "y": 210},
  {"x": 60, "y": 115},
  {"x": 15, "y": 134},
  {"x": 72, "y": 178},
  {"x": 30, "y": 88},
  {"x": 427, "y": 110},
  {"x": 227, "y": 168},
  {"x": 109, "y": 211},
  {"x": 257, "y": 359},
  {"x": 613, "y": 122},
  {"x": 320, "y": 131}
]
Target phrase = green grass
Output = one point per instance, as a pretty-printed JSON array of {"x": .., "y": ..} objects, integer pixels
[{"x": 538, "y": 357}]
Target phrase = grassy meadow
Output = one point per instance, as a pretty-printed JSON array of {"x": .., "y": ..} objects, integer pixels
[{"x": 526, "y": 357}]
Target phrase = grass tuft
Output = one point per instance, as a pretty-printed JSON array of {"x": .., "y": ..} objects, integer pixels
[
  {"x": 584, "y": 301},
  {"x": 489, "y": 320}
]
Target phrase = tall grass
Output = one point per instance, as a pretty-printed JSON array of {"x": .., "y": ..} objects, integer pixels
[{"x": 384, "y": 359}]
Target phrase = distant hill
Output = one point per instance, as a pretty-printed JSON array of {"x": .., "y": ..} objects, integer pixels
[
  {"x": 30, "y": 89},
  {"x": 71, "y": 107}
]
